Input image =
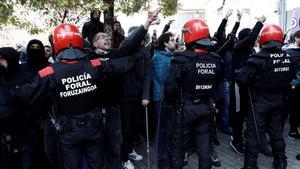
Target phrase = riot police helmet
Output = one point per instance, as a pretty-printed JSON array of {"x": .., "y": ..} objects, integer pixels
[
  {"x": 196, "y": 31},
  {"x": 271, "y": 37},
  {"x": 66, "y": 36}
]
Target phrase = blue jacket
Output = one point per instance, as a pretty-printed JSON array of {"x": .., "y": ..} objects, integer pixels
[{"x": 161, "y": 67}]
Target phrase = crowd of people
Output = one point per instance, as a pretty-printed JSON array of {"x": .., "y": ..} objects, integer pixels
[{"x": 80, "y": 102}]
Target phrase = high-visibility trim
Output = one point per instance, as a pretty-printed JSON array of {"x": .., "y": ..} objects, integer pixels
[
  {"x": 95, "y": 62},
  {"x": 46, "y": 71},
  {"x": 200, "y": 51}
]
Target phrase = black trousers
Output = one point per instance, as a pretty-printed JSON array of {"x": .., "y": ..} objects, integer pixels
[
  {"x": 82, "y": 136},
  {"x": 292, "y": 109},
  {"x": 132, "y": 123},
  {"x": 194, "y": 122},
  {"x": 51, "y": 148},
  {"x": 238, "y": 123},
  {"x": 267, "y": 108},
  {"x": 113, "y": 137}
]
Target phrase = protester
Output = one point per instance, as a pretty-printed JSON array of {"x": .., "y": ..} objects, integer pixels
[
  {"x": 135, "y": 97},
  {"x": 118, "y": 35},
  {"x": 91, "y": 28},
  {"x": 161, "y": 66},
  {"x": 242, "y": 50},
  {"x": 294, "y": 119}
]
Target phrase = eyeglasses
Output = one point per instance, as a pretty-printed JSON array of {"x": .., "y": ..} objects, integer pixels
[{"x": 103, "y": 37}]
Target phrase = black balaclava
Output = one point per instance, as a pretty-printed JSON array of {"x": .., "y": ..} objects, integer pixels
[
  {"x": 12, "y": 58},
  {"x": 36, "y": 59}
]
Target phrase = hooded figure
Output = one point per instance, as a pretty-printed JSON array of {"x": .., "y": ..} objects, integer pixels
[
  {"x": 91, "y": 28},
  {"x": 12, "y": 59},
  {"x": 9, "y": 76},
  {"x": 36, "y": 59}
]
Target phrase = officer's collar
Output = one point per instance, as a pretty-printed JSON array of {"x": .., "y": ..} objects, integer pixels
[
  {"x": 69, "y": 61},
  {"x": 200, "y": 51}
]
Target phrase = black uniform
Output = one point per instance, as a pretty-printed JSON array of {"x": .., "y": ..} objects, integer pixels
[
  {"x": 267, "y": 74},
  {"x": 196, "y": 75},
  {"x": 9, "y": 113},
  {"x": 73, "y": 86}
]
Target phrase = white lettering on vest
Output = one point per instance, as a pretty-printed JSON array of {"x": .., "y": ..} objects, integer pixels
[
  {"x": 76, "y": 85},
  {"x": 203, "y": 87},
  {"x": 282, "y": 69}
]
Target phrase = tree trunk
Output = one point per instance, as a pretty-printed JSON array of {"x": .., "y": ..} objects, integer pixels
[{"x": 109, "y": 16}]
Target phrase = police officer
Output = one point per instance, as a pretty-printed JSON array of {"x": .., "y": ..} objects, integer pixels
[
  {"x": 196, "y": 74},
  {"x": 266, "y": 74},
  {"x": 73, "y": 85}
]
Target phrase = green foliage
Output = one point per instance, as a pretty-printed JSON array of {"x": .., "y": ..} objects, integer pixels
[
  {"x": 131, "y": 6},
  {"x": 52, "y": 12},
  {"x": 169, "y": 7}
]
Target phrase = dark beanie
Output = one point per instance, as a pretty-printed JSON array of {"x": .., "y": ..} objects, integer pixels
[
  {"x": 131, "y": 29},
  {"x": 243, "y": 33}
]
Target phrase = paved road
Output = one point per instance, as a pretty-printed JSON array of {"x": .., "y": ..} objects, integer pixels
[{"x": 229, "y": 159}]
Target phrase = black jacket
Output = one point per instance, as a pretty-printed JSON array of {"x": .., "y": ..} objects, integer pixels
[
  {"x": 243, "y": 48},
  {"x": 112, "y": 86},
  {"x": 136, "y": 83},
  {"x": 228, "y": 45},
  {"x": 91, "y": 28},
  {"x": 9, "y": 79}
]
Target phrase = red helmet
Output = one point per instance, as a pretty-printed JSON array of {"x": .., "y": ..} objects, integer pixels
[
  {"x": 196, "y": 30},
  {"x": 66, "y": 36},
  {"x": 271, "y": 33}
]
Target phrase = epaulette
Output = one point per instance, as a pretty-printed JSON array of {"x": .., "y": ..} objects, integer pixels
[
  {"x": 95, "y": 62},
  {"x": 46, "y": 71}
]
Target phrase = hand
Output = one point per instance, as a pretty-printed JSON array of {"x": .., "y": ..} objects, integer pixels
[
  {"x": 239, "y": 15},
  {"x": 229, "y": 12},
  {"x": 152, "y": 16},
  {"x": 170, "y": 22},
  {"x": 145, "y": 102},
  {"x": 156, "y": 22},
  {"x": 261, "y": 19}
]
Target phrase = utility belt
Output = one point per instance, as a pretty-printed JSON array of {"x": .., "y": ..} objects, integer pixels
[
  {"x": 199, "y": 99},
  {"x": 205, "y": 100},
  {"x": 93, "y": 119}
]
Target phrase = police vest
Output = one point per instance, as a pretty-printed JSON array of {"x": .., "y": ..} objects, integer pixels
[
  {"x": 200, "y": 75},
  {"x": 276, "y": 73},
  {"x": 74, "y": 86}
]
